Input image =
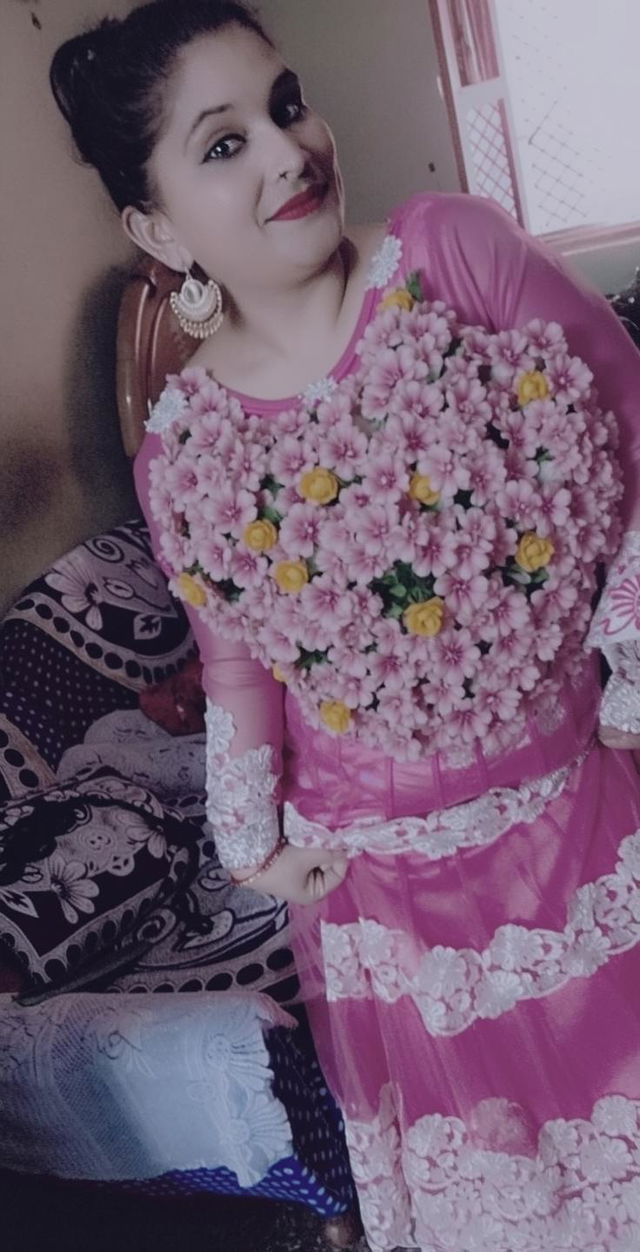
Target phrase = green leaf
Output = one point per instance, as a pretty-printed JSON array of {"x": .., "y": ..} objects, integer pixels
[
  {"x": 414, "y": 285},
  {"x": 271, "y": 515}
]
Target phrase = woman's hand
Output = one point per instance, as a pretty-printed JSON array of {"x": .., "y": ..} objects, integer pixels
[{"x": 300, "y": 875}]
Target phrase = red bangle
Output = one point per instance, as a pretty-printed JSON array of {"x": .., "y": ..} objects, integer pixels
[{"x": 271, "y": 860}]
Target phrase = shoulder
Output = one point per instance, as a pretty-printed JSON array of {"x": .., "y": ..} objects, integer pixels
[{"x": 456, "y": 216}]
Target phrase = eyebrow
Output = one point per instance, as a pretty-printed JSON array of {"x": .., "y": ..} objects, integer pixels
[{"x": 285, "y": 79}]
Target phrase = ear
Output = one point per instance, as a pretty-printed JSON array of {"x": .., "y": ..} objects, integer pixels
[{"x": 153, "y": 233}]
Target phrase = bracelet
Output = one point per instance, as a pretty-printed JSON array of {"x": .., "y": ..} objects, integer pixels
[{"x": 271, "y": 860}]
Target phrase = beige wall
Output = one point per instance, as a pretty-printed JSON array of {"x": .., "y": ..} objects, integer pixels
[
  {"x": 62, "y": 473},
  {"x": 370, "y": 66}
]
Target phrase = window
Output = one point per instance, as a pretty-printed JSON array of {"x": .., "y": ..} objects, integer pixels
[{"x": 544, "y": 105}]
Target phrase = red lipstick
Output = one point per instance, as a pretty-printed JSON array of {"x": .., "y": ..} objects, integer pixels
[{"x": 301, "y": 205}]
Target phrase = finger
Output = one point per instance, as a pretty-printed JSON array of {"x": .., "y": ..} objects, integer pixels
[{"x": 323, "y": 880}]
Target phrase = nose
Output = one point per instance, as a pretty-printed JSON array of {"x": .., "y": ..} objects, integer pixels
[{"x": 287, "y": 157}]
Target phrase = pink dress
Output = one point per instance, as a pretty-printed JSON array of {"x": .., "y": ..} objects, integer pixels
[{"x": 473, "y": 985}]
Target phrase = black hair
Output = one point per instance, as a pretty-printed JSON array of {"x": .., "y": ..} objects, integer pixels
[{"x": 108, "y": 83}]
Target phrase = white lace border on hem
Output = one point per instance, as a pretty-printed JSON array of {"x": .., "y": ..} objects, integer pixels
[
  {"x": 454, "y": 987},
  {"x": 473, "y": 824},
  {"x": 488, "y": 1184}
]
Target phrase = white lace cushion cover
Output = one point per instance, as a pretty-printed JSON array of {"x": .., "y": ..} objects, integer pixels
[
  {"x": 615, "y": 630},
  {"x": 132, "y": 1086}
]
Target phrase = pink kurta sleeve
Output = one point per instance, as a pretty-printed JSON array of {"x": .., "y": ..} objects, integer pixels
[
  {"x": 493, "y": 273},
  {"x": 244, "y": 722}
]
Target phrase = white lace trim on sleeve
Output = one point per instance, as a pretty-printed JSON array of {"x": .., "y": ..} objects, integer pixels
[
  {"x": 615, "y": 630},
  {"x": 240, "y": 794}
]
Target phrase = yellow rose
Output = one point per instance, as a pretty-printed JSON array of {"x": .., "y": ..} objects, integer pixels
[
  {"x": 335, "y": 715},
  {"x": 291, "y": 576},
  {"x": 533, "y": 553},
  {"x": 260, "y": 536},
  {"x": 425, "y": 618},
  {"x": 532, "y": 386},
  {"x": 319, "y": 486},
  {"x": 398, "y": 299},
  {"x": 191, "y": 591},
  {"x": 420, "y": 489},
  {"x": 278, "y": 674}
]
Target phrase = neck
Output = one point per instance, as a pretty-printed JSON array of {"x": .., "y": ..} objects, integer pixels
[{"x": 281, "y": 322}]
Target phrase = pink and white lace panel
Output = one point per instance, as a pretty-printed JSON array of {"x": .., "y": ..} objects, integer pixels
[
  {"x": 476, "y": 823},
  {"x": 492, "y": 1185},
  {"x": 454, "y": 987},
  {"x": 615, "y": 630},
  {"x": 240, "y": 794}
]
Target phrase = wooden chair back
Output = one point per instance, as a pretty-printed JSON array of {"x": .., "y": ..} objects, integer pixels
[{"x": 150, "y": 345}]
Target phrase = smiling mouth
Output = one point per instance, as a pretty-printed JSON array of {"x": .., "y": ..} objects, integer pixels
[{"x": 302, "y": 205}]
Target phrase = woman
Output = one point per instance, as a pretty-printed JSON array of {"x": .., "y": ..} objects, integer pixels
[{"x": 467, "y": 954}]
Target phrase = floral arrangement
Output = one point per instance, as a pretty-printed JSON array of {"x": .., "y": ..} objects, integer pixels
[{"x": 415, "y": 553}]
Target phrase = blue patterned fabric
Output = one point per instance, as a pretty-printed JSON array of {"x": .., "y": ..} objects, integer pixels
[{"x": 79, "y": 645}]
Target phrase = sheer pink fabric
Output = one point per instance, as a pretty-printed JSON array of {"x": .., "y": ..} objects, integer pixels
[
  {"x": 476, "y": 1012},
  {"x": 476, "y": 259}
]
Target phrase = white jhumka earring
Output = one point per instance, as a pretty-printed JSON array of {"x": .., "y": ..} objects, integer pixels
[{"x": 198, "y": 307}]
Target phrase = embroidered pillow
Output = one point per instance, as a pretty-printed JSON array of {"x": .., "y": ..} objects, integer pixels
[{"x": 82, "y": 864}]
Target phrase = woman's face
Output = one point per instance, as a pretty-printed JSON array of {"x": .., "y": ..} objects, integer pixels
[{"x": 246, "y": 175}]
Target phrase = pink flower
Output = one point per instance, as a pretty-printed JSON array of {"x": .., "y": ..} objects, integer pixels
[
  {"x": 288, "y": 460},
  {"x": 455, "y": 655},
  {"x": 277, "y": 643},
  {"x": 510, "y": 353},
  {"x": 300, "y": 530},
  {"x": 214, "y": 555},
  {"x": 509, "y": 613},
  {"x": 247, "y": 465},
  {"x": 182, "y": 480},
  {"x": 208, "y": 399},
  {"x": 519, "y": 501},
  {"x": 206, "y": 432},
  {"x": 545, "y": 337},
  {"x": 555, "y": 509},
  {"x": 343, "y": 449},
  {"x": 373, "y": 526},
  {"x": 569, "y": 377},
  {"x": 386, "y": 478},
  {"x": 413, "y": 400},
  {"x": 246, "y": 568},
  {"x": 322, "y": 601},
  {"x": 435, "y": 548},
  {"x": 388, "y": 669},
  {"x": 462, "y": 596},
  {"x": 468, "y": 399},
  {"x": 189, "y": 380},
  {"x": 231, "y": 510},
  {"x": 447, "y": 472}
]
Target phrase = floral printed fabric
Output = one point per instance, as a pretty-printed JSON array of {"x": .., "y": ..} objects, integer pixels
[
  {"x": 415, "y": 553},
  {"x": 81, "y": 864}
]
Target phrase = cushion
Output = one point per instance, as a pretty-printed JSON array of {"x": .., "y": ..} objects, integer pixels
[{"x": 82, "y": 864}]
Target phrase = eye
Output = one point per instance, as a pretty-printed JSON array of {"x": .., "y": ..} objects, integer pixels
[
  {"x": 289, "y": 111},
  {"x": 225, "y": 148}
]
